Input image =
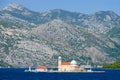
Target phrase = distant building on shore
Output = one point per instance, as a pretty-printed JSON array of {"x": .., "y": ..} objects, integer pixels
[{"x": 41, "y": 69}]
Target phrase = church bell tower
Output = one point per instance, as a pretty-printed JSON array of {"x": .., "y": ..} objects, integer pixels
[{"x": 59, "y": 63}]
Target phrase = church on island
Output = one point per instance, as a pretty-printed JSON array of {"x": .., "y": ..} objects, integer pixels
[{"x": 68, "y": 66}]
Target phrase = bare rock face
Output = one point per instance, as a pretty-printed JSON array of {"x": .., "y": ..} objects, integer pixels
[{"x": 29, "y": 38}]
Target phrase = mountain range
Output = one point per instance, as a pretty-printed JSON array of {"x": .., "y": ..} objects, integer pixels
[{"x": 29, "y": 38}]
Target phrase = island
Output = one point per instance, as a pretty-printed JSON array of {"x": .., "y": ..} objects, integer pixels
[{"x": 63, "y": 66}]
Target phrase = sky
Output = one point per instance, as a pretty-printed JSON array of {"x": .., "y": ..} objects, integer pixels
[{"x": 82, "y": 6}]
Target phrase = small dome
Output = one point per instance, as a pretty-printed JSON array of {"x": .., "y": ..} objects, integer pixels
[
  {"x": 59, "y": 57},
  {"x": 73, "y": 62}
]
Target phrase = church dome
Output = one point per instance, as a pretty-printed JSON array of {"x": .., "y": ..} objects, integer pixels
[{"x": 73, "y": 62}]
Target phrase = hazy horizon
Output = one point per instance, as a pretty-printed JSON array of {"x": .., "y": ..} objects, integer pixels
[{"x": 87, "y": 7}]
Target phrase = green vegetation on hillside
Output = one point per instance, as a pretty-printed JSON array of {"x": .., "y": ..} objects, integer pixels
[
  {"x": 4, "y": 64},
  {"x": 9, "y": 24},
  {"x": 113, "y": 65},
  {"x": 115, "y": 32}
]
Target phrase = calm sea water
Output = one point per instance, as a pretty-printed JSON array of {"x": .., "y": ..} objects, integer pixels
[{"x": 19, "y": 74}]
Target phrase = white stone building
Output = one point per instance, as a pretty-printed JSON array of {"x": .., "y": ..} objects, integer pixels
[
  {"x": 68, "y": 66},
  {"x": 41, "y": 69}
]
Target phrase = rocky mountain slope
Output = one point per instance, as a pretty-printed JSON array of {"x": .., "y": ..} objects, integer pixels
[{"x": 29, "y": 38}]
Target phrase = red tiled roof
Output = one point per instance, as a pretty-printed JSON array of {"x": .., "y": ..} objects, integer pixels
[
  {"x": 42, "y": 67},
  {"x": 65, "y": 63}
]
